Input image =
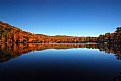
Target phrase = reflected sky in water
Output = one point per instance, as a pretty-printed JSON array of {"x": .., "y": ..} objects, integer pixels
[{"x": 76, "y": 64}]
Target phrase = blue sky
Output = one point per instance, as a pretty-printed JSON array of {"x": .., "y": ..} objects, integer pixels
[{"x": 63, "y": 17}]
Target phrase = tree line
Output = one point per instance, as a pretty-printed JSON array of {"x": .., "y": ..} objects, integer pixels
[
  {"x": 110, "y": 38},
  {"x": 13, "y": 34}
]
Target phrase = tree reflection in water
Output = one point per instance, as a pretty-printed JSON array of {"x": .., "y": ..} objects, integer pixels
[{"x": 12, "y": 50}]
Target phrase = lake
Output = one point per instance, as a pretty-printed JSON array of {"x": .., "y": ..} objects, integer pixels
[{"x": 59, "y": 62}]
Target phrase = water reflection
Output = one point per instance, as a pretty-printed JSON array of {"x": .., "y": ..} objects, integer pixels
[
  {"x": 9, "y": 51},
  {"x": 71, "y": 69}
]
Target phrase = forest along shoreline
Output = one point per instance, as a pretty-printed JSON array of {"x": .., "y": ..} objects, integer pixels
[{"x": 13, "y": 34}]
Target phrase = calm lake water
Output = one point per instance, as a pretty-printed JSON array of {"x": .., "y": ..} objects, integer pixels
[{"x": 58, "y": 62}]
